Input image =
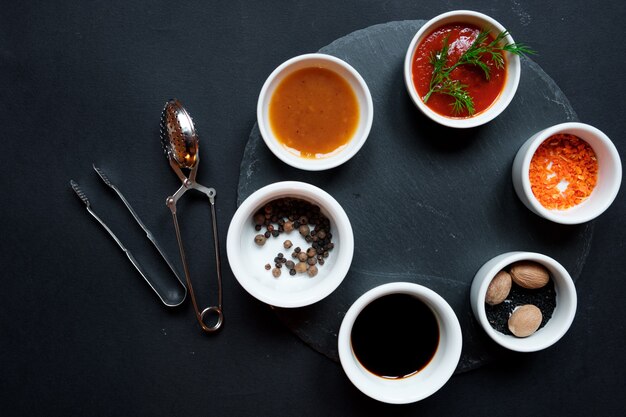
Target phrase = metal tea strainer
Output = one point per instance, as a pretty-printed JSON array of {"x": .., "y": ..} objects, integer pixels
[{"x": 180, "y": 143}]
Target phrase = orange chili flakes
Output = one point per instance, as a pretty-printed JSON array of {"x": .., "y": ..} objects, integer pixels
[{"x": 563, "y": 171}]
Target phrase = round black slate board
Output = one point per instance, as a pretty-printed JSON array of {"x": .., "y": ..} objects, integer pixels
[{"x": 428, "y": 204}]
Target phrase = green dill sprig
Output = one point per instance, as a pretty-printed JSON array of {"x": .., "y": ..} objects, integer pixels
[{"x": 441, "y": 82}]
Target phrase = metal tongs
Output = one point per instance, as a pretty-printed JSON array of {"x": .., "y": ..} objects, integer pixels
[
  {"x": 170, "y": 295},
  {"x": 180, "y": 143}
]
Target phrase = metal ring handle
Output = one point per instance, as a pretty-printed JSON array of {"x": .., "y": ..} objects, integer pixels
[
  {"x": 220, "y": 318},
  {"x": 171, "y": 203}
]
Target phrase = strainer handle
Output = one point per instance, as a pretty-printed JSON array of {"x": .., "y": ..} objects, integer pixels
[{"x": 217, "y": 310}]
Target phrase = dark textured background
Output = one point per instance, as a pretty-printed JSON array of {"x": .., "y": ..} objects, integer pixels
[{"x": 81, "y": 334}]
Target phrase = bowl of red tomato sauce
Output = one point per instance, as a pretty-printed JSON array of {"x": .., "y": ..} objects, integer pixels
[{"x": 462, "y": 68}]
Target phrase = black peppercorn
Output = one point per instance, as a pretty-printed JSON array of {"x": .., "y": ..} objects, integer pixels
[
  {"x": 285, "y": 214},
  {"x": 259, "y": 240},
  {"x": 259, "y": 218}
]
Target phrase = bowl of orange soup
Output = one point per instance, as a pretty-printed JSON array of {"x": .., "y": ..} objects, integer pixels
[{"x": 315, "y": 112}]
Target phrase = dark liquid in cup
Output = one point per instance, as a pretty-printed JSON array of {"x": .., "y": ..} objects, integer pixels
[{"x": 395, "y": 336}]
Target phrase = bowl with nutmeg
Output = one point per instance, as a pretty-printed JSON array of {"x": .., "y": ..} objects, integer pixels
[{"x": 524, "y": 301}]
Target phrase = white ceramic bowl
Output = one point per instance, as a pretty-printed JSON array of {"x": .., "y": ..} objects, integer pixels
[
  {"x": 607, "y": 186},
  {"x": 427, "y": 381},
  {"x": 563, "y": 314},
  {"x": 247, "y": 260},
  {"x": 512, "y": 64},
  {"x": 362, "y": 92}
]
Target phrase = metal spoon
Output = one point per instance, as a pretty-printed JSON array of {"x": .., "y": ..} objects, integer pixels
[{"x": 180, "y": 143}]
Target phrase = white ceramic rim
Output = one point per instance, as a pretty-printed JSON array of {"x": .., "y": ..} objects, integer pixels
[
  {"x": 362, "y": 92},
  {"x": 573, "y": 215},
  {"x": 435, "y": 374},
  {"x": 328, "y": 280},
  {"x": 565, "y": 291},
  {"x": 513, "y": 69}
]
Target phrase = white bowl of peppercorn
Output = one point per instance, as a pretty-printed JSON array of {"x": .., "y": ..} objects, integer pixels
[
  {"x": 290, "y": 244},
  {"x": 451, "y": 72},
  {"x": 524, "y": 301}
]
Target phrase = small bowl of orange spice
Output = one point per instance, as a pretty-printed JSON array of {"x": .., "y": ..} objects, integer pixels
[
  {"x": 462, "y": 68},
  {"x": 569, "y": 173},
  {"x": 315, "y": 112}
]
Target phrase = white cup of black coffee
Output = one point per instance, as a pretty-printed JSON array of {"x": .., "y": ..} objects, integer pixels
[{"x": 400, "y": 342}]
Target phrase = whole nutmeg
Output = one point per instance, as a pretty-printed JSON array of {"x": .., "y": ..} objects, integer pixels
[
  {"x": 498, "y": 289},
  {"x": 530, "y": 275},
  {"x": 525, "y": 320}
]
